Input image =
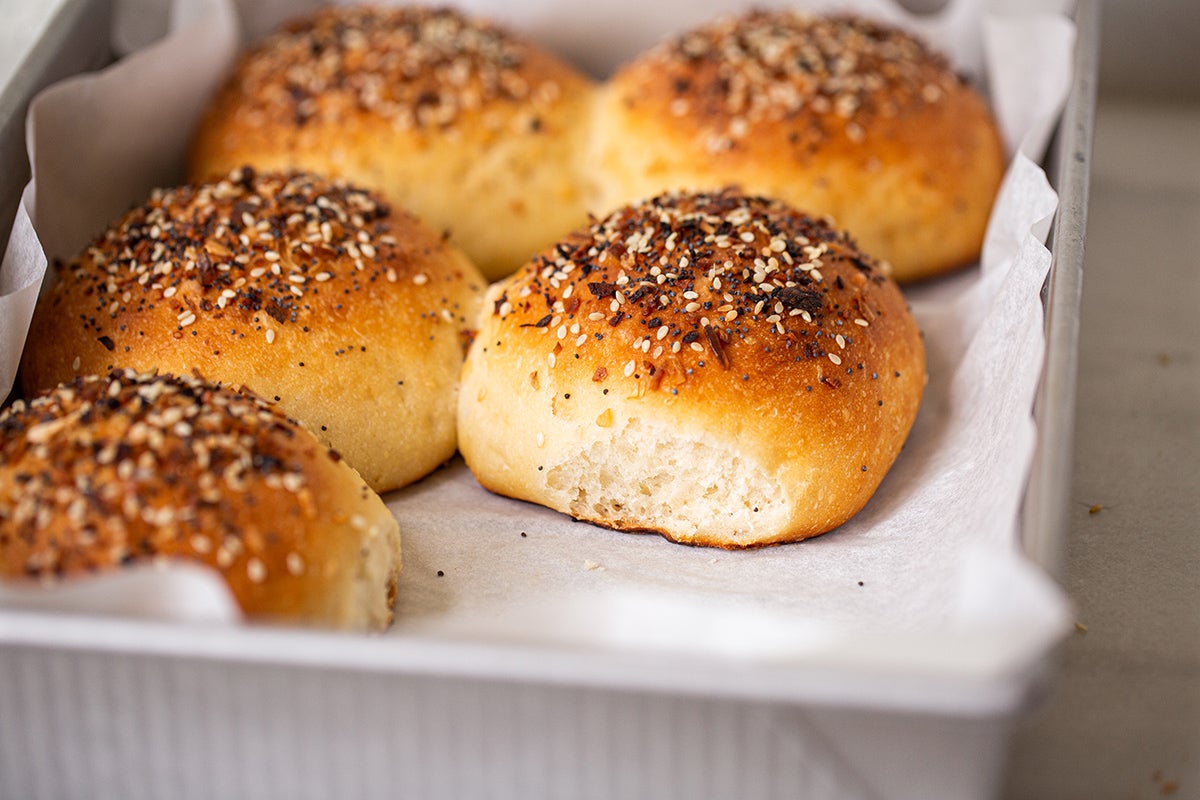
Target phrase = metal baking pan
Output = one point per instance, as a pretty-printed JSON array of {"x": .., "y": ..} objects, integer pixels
[{"x": 129, "y": 708}]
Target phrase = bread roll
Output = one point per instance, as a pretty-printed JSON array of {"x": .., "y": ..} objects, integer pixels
[
  {"x": 105, "y": 471},
  {"x": 471, "y": 128},
  {"x": 717, "y": 368},
  {"x": 835, "y": 115},
  {"x": 309, "y": 292}
]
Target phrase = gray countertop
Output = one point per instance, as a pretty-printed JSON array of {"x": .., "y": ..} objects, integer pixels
[{"x": 1121, "y": 719}]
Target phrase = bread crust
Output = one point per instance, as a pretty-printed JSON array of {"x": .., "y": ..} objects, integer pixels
[
  {"x": 718, "y": 368},
  {"x": 310, "y": 292},
  {"x": 472, "y": 128},
  {"x": 107, "y": 471},
  {"x": 837, "y": 115}
]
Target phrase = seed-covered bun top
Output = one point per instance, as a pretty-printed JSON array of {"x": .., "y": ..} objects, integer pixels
[
  {"x": 309, "y": 291},
  {"x": 738, "y": 73},
  {"x": 839, "y": 115},
  {"x": 717, "y": 367},
  {"x": 110, "y": 470},
  {"x": 414, "y": 66},
  {"x": 467, "y": 125}
]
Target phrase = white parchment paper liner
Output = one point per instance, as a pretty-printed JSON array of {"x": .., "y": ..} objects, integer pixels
[{"x": 929, "y": 574}]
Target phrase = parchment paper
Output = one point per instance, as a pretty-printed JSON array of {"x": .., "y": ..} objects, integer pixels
[{"x": 933, "y": 554}]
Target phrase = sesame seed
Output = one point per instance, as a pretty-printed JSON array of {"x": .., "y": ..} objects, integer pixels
[
  {"x": 420, "y": 279},
  {"x": 835, "y": 358},
  {"x": 270, "y": 336},
  {"x": 861, "y": 322},
  {"x": 295, "y": 564},
  {"x": 256, "y": 571},
  {"x": 629, "y": 368}
]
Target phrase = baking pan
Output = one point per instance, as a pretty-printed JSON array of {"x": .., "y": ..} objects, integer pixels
[{"x": 125, "y": 707}]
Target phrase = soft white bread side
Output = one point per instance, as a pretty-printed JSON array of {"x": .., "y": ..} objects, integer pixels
[
  {"x": 473, "y": 129},
  {"x": 835, "y": 115},
  {"x": 308, "y": 291},
  {"x": 107, "y": 471},
  {"x": 718, "y": 368}
]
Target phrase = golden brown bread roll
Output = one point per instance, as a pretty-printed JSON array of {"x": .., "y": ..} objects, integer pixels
[
  {"x": 471, "y": 128},
  {"x": 105, "y": 471},
  {"x": 718, "y": 368},
  {"x": 835, "y": 115},
  {"x": 307, "y": 291}
]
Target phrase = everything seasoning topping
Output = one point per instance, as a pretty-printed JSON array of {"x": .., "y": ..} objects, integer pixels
[
  {"x": 157, "y": 462},
  {"x": 767, "y": 66},
  {"x": 254, "y": 252},
  {"x": 690, "y": 280},
  {"x": 415, "y": 67}
]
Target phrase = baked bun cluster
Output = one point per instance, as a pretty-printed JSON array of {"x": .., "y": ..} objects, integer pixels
[
  {"x": 490, "y": 137},
  {"x": 837, "y": 115},
  {"x": 308, "y": 291},
  {"x": 465, "y": 124},
  {"x": 714, "y": 367},
  {"x": 111, "y": 470}
]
